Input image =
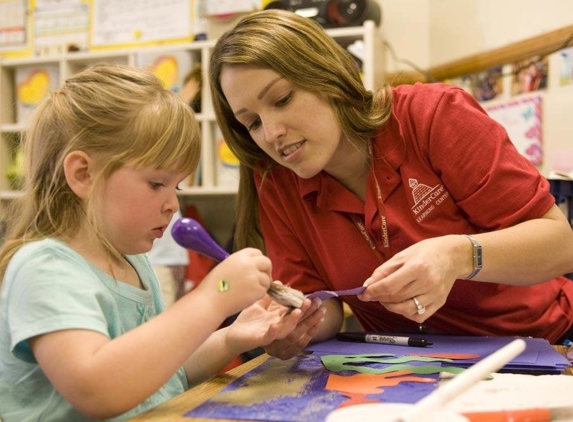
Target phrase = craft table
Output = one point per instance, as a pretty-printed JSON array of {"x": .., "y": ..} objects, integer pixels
[{"x": 174, "y": 409}]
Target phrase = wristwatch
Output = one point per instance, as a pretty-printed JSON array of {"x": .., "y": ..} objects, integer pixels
[{"x": 477, "y": 256}]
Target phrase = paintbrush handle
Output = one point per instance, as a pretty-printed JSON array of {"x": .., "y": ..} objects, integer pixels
[
  {"x": 189, "y": 234},
  {"x": 464, "y": 381}
]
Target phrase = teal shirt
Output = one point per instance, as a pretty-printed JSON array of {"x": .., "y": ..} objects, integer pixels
[{"x": 49, "y": 287}]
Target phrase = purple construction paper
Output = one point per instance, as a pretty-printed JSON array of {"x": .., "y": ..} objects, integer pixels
[
  {"x": 538, "y": 356},
  {"x": 295, "y": 389},
  {"x": 293, "y": 401},
  {"x": 327, "y": 294}
]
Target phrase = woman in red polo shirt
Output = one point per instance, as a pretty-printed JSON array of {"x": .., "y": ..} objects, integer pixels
[{"x": 411, "y": 191}]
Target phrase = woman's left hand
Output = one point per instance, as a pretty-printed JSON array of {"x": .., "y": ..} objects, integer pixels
[{"x": 425, "y": 271}]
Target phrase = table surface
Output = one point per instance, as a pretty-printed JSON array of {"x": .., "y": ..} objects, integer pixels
[{"x": 174, "y": 409}]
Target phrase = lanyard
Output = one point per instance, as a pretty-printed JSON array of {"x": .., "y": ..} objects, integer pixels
[
  {"x": 366, "y": 236},
  {"x": 381, "y": 209}
]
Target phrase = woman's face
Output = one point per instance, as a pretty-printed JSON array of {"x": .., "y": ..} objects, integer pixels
[{"x": 296, "y": 128}]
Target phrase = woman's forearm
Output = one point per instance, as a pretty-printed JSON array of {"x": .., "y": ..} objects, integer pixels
[
  {"x": 528, "y": 253},
  {"x": 333, "y": 319}
]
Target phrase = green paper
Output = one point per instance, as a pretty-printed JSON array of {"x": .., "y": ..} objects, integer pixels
[{"x": 339, "y": 363}]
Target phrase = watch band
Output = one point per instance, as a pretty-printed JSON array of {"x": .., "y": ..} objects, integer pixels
[{"x": 477, "y": 256}]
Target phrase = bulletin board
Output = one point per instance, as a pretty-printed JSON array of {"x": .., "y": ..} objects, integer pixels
[
  {"x": 522, "y": 120},
  {"x": 125, "y": 23},
  {"x": 13, "y": 25},
  {"x": 54, "y": 27}
]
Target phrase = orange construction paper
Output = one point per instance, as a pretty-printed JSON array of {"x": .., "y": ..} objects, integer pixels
[
  {"x": 363, "y": 383},
  {"x": 355, "y": 398}
]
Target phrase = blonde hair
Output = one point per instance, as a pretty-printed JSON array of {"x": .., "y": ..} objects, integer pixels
[
  {"x": 123, "y": 116},
  {"x": 300, "y": 50}
]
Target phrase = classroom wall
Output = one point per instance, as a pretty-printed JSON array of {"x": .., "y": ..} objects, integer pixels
[
  {"x": 459, "y": 28},
  {"x": 435, "y": 32}
]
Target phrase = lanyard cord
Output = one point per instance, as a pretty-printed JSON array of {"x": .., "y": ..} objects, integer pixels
[
  {"x": 382, "y": 210},
  {"x": 383, "y": 225},
  {"x": 366, "y": 236}
]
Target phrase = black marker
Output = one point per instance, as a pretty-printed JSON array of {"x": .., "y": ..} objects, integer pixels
[{"x": 383, "y": 339}]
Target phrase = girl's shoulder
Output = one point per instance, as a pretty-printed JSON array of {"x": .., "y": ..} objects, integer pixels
[
  {"x": 43, "y": 247},
  {"x": 44, "y": 255}
]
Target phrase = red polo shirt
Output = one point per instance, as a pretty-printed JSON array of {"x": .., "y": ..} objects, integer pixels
[{"x": 443, "y": 167}]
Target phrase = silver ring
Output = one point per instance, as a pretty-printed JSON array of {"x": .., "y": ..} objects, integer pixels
[{"x": 421, "y": 309}]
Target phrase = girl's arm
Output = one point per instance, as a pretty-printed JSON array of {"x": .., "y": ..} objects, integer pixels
[
  {"x": 104, "y": 377},
  {"x": 319, "y": 321},
  {"x": 256, "y": 326}
]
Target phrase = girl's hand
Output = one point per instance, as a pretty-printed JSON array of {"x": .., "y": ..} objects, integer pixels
[
  {"x": 237, "y": 282},
  {"x": 308, "y": 324},
  {"x": 262, "y": 323},
  {"x": 426, "y": 271}
]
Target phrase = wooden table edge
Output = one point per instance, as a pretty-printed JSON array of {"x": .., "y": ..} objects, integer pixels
[{"x": 174, "y": 409}]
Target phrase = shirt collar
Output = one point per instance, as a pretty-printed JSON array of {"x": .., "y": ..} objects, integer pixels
[{"x": 388, "y": 154}]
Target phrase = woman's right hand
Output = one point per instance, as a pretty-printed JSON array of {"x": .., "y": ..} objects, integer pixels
[
  {"x": 237, "y": 282},
  {"x": 306, "y": 329}
]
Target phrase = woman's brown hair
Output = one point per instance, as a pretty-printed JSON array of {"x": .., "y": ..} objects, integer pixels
[{"x": 300, "y": 50}]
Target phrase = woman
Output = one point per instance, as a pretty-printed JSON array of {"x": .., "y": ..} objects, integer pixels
[{"x": 412, "y": 191}]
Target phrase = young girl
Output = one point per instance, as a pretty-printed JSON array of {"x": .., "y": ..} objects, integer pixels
[{"x": 82, "y": 332}]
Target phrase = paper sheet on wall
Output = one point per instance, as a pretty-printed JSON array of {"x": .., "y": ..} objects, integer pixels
[
  {"x": 62, "y": 28},
  {"x": 224, "y": 7},
  {"x": 13, "y": 31},
  {"x": 136, "y": 21},
  {"x": 521, "y": 119}
]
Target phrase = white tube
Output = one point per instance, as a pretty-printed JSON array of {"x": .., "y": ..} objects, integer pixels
[{"x": 464, "y": 381}]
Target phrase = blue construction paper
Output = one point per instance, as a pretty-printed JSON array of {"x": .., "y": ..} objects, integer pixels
[{"x": 293, "y": 390}]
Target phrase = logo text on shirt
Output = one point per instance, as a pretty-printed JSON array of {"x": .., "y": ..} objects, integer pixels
[{"x": 426, "y": 198}]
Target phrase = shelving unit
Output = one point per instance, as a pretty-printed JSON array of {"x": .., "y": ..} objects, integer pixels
[{"x": 209, "y": 190}]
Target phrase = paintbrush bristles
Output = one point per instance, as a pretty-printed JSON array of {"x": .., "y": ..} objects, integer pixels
[{"x": 286, "y": 295}]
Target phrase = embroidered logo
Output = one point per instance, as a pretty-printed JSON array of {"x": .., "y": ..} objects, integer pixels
[{"x": 426, "y": 198}]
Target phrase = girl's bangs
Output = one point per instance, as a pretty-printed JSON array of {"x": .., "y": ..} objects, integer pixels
[{"x": 167, "y": 139}]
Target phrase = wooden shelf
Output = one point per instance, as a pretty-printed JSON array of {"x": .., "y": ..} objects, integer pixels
[
  {"x": 213, "y": 183},
  {"x": 541, "y": 45}
]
